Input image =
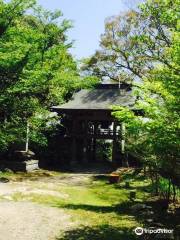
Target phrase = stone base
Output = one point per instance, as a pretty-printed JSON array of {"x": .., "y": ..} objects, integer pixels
[{"x": 25, "y": 166}]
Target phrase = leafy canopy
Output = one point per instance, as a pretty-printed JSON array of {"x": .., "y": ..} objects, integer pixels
[{"x": 36, "y": 69}]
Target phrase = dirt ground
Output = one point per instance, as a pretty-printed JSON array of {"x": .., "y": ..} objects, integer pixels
[
  {"x": 25, "y": 220},
  {"x": 29, "y": 221}
]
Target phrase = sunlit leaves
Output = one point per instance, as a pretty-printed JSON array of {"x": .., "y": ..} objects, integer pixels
[
  {"x": 156, "y": 137},
  {"x": 36, "y": 69}
]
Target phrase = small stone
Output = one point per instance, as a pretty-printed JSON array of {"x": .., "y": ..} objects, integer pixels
[
  {"x": 8, "y": 170},
  {"x": 4, "y": 180},
  {"x": 132, "y": 194},
  {"x": 148, "y": 207},
  {"x": 127, "y": 184},
  {"x": 149, "y": 220},
  {"x": 146, "y": 213},
  {"x": 149, "y": 212},
  {"x": 138, "y": 207}
]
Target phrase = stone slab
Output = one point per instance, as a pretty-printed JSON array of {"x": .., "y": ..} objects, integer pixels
[{"x": 26, "y": 166}]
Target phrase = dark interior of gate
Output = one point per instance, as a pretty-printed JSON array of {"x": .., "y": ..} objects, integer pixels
[{"x": 89, "y": 133}]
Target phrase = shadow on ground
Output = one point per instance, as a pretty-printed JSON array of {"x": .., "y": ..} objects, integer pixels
[
  {"x": 102, "y": 232},
  {"x": 123, "y": 208},
  {"x": 107, "y": 232},
  {"x": 93, "y": 168}
]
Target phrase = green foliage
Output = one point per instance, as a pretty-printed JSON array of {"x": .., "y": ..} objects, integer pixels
[
  {"x": 155, "y": 135},
  {"x": 36, "y": 69},
  {"x": 120, "y": 56},
  {"x": 164, "y": 187}
]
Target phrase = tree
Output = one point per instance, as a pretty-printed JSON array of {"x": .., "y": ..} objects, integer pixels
[
  {"x": 118, "y": 57},
  {"x": 156, "y": 133},
  {"x": 36, "y": 70},
  {"x": 141, "y": 46},
  {"x": 131, "y": 45}
]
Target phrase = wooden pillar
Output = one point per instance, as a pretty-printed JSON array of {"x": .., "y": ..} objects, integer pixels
[
  {"x": 85, "y": 142},
  {"x": 94, "y": 150},
  {"x": 94, "y": 141},
  {"x": 74, "y": 145},
  {"x": 118, "y": 149},
  {"x": 74, "y": 152},
  {"x": 124, "y": 158},
  {"x": 114, "y": 150},
  {"x": 123, "y": 129},
  {"x": 85, "y": 150},
  {"x": 114, "y": 146}
]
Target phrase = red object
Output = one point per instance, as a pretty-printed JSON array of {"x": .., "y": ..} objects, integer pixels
[{"x": 114, "y": 178}]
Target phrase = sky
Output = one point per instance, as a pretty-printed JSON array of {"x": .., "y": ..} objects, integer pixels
[{"x": 88, "y": 20}]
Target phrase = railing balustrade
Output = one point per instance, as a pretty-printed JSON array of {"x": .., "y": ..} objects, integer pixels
[{"x": 104, "y": 132}]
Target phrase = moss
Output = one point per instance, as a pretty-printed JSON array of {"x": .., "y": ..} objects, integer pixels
[{"x": 91, "y": 205}]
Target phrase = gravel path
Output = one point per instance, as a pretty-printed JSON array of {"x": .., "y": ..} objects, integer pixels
[
  {"x": 25, "y": 220},
  {"x": 29, "y": 221}
]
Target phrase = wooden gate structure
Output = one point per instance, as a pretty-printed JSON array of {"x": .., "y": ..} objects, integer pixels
[{"x": 88, "y": 118}]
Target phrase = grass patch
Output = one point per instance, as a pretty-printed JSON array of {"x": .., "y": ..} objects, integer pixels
[
  {"x": 31, "y": 176},
  {"x": 99, "y": 209},
  {"x": 102, "y": 232}
]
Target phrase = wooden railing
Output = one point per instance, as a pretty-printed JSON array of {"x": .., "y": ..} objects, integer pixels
[{"x": 104, "y": 132}]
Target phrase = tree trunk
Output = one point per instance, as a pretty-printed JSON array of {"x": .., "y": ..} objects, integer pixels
[{"x": 27, "y": 137}]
